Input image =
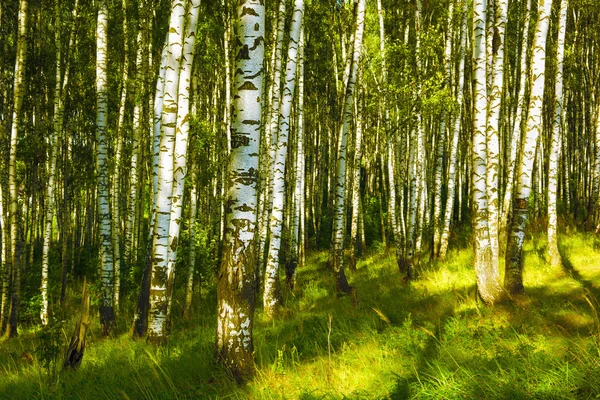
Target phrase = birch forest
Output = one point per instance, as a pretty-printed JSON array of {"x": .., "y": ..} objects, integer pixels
[{"x": 303, "y": 199}]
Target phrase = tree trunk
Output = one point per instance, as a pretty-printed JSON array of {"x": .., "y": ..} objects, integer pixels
[
  {"x": 271, "y": 296},
  {"x": 107, "y": 313},
  {"x": 159, "y": 292},
  {"x": 513, "y": 277},
  {"x": 486, "y": 271},
  {"x": 340, "y": 186},
  {"x": 236, "y": 286},
  {"x": 189, "y": 287}
]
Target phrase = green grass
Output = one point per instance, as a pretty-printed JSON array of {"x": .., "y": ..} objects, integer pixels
[{"x": 429, "y": 339}]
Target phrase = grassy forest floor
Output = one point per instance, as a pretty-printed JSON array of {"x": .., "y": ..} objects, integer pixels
[{"x": 429, "y": 339}]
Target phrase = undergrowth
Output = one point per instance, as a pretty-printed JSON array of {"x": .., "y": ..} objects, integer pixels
[{"x": 428, "y": 339}]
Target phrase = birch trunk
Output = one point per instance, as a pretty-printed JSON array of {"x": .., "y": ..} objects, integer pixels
[
  {"x": 271, "y": 296},
  {"x": 18, "y": 95},
  {"x": 486, "y": 271},
  {"x": 189, "y": 287},
  {"x": 129, "y": 251},
  {"x": 452, "y": 167},
  {"x": 237, "y": 277},
  {"x": 513, "y": 277},
  {"x": 297, "y": 253},
  {"x": 340, "y": 186},
  {"x": 159, "y": 293},
  {"x": 107, "y": 314},
  {"x": 517, "y": 128},
  {"x": 181, "y": 144},
  {"x": 438, "y": 223},
  {"x": 555, "y": 141},
  {"x": 271, "y": 132},
  {"x": 356, "y": 182},
  {"x": 116, "y": 187},
  {"x": 496, "y": 57}
]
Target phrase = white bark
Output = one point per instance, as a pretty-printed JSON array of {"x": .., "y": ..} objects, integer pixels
[
  {"x": 452, "y": 168},
  {"x": 441, "y": 144},
  {"x": 297, "y": 256},
  {"x": 159, "y": 296},
  {"x": 271, "y": 296},
  {"x": 107, "y": 316},
  {"x": 513, "y": 279},
  {"x": 486, "y": 271},
  {"x": 496, "y": 44},
  {"x": 555, "y": 142},
  {"x": 181, "y": 143},
  {"x": 340, "y": 186},
  {"x": 517, "y": 127},
  {"x": 237, "y": 285},
  {"x": 189, "y": 287},
  {"x": 115, "y": 187}
]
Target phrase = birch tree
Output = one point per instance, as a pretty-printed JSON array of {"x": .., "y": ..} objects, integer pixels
[
  {"x": 339, "y": 215},
  {"x": 181, "y": 143},
  {"x": 555, "y": 140},
  {"x": 513, "y": 278},
  {"x": 107, "y": 313},
  {"x": 486, "y": 270},
  {"x": 237, "y": 284},
  {"x": 452, "y": 166},
  {"x": 159, "y": 293},
  {"x": 271, "y": 295},
  {"x": 298, "y": 230}
]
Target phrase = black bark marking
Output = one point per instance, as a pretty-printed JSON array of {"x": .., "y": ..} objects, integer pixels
[
  {"x": 239, "y": 139},
  {"x": 249, "y": 11},
  {"x": 247, "y": 86},
  {"x": 244, "y": 53}
]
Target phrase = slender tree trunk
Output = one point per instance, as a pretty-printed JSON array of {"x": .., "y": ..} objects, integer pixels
[
  {"x": 486, "y": 271},
  {"x": 496, "y": 59},
  {"x": 271, "y": 295},
  {"x": 517, "y": 128},
  {"x": 340, "y": 186},
  {"x": 107, "y": 313},
  {"x": 116, "y": 178},
  {"x": 129, "y": 251},
  {"x": 555, "y": 142},
  {"x": 189, "y": 287},
  {"x": 236, "y": 286},
  {"x": 513, "y": 277},
  {"x": 181, "y": 145},
  {"x": 452, "y": 167},
  {"x": 356, "y": 183},
  {"x": 159, "y": 292},
  {"x": 441, "y": 144},
  {"x": 297, "y": 253}
]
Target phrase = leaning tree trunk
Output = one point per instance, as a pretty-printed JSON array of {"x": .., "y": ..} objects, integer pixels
[
  {"x": 271, "y": 295},
  {"x": 107, "y": 313},
  {"x": 513, "y": 277},
  {"x": 74, "y": 353},
  {"x": 555, "y": 142},
  {"x": 237, "y": 278}
]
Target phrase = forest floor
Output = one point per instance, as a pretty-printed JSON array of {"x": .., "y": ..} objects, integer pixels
[{"x": 428, "y": 339}]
